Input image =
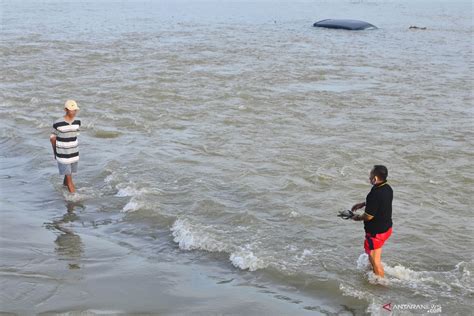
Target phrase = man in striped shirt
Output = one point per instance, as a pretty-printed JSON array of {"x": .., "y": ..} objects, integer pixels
[{"x": 65, "y": 145}]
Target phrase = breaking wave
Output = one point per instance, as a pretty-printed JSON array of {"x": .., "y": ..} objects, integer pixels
[
  {"x": 191, "y": 237},
  {"x": 200, "y": 237},
  {"x": 244, "y": 259}
]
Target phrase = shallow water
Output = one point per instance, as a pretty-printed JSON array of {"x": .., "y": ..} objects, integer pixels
[{"x": 231, "y": 134}]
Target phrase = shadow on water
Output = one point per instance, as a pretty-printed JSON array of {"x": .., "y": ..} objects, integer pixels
[{"x": 68, "y": 245}]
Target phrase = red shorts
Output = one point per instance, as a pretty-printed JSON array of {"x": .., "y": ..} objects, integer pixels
[{"x": 375, "y": 241}]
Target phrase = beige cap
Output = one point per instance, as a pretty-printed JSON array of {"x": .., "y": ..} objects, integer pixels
[{"x": 71, "y": 105}]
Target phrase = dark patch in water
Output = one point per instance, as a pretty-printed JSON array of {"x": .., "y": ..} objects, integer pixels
[{"x": 106, "y": 134}]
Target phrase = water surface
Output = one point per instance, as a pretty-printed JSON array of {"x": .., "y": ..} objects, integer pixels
[{"x": 229, "y": 134}]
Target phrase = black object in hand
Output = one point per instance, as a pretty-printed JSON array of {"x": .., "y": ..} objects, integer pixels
[{"x": 346, "y": 214}]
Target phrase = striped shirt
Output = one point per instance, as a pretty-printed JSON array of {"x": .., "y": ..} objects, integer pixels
[{"x": 67, "y": 146}]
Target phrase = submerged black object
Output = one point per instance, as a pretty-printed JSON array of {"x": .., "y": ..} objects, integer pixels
[
  {"x": 346, "y": 214},
  {"x": 353, "y": 25}
]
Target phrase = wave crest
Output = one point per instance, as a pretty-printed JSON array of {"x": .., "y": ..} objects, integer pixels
[
  {"x": 189, "y": 237},
  {"x": 244, "y": 259}
]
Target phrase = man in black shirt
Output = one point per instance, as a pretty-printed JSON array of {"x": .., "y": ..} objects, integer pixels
[{"x": 377, "y": 216}]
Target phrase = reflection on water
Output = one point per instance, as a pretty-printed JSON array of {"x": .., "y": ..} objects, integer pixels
[{"x": 69, "y": 245}]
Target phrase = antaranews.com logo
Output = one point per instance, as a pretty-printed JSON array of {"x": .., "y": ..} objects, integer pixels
[{"x": 426, "y": 308}]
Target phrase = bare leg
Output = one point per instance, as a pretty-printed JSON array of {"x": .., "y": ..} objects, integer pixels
[
  {"x": 371, "y": 260},
  {"x": 70, "y": 184},
  {"x": 376, "y": 261}
]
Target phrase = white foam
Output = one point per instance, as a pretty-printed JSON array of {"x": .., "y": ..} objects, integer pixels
[
  {"x": 462, "y": 268},
  {"x": 402, "y": 273},
  {"x": 427, "y": 283},
  {"x": 350, "y": 291},
  {"x": 115, "y": 176},
  {"x": 399, "y": 272},
  {"x": 294, "y": 214},
  {"x": 245, "y": 259},
  {"x": 363, "y": 262},
  {"x": 110, "y": 178},
  {"x": 128, "y": 191},
  {"x": 375, "y": 308},
  {"x": 189, "y": 237},
  {"x": 307, "y": 253},
  {"x": 343, "y": 169},
  {"x": 375, "y": 279},
  {"x": 73, "y": 197},
  {"x": 291, "y": 248},
  {"x": 131, "y": 206}
]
